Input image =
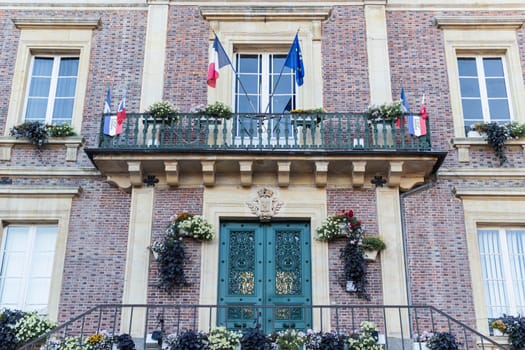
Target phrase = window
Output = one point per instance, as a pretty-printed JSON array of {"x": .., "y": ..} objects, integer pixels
[
  {"x": 484, "y": 90},
  {"x": 265, "y": 85},
  {"x": 27, "y": 255},
  {"x": 502, "y": 254},
  {"x": 51, "y": 90}
]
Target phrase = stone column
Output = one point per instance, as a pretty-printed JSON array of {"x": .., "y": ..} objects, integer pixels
[
  {"x": 392, "y": 260},
  {"x": 152, "y": 89},
  {"x": 377, "y": 50},
  {"x": 137, "y": 259}
]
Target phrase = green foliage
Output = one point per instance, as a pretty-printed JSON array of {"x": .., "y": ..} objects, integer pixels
[
  {"x": 32, "y": 326},
  {"x": 253, "y": 339},
  {"x": 516, "y": 130},
  {"x": 8, "y": 318},
  {"x": 365, "y": 339},
  {"x": 218, "y": 110},
  {"x": 191, "y": 340},
  {"x": 496, "y": 137},
  {"x": 386, "y": 111},
  {"x": 60, "y": 130},
  {"x": 333, "y": 341},
  {"x": 35, "y": 131},
  {"x": 514, "y": 327},
  {"x": 372, "y": 243},
  {"x": 355, "y": 268},
  {"x": 125, "y": 342},
  {"x": 171, "y": 262},
  {"x": 443, "y": 341},
  {"x": 221, "y": 338},
  {"x": 290, "y": 339},
  {"x": 162, "y": 109},
  {"x": 308, "y": 111}
]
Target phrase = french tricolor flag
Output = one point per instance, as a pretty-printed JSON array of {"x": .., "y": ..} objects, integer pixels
[
  {"x": 219, "y": 59},
  {"x": 110, "y": 121},
  {"x": 121, "y": 114}
]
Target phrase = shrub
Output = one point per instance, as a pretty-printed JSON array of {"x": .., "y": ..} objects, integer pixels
[
  {"x": 8, "y": 318},
  {"x": 190, "y": 340},
  {"x": 372, "y": 243},
  {"x": 60, "y": 130},
  {"x": 443, "y": 341},
  {"x": 253, "y": 339},
  {"x": 35, "y": 131},
  {"x": 32, "y": 326}
]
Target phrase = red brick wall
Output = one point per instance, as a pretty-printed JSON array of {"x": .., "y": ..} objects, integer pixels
[
  {"x": 363, "y": 203},
  {"x": 168, "y": 203}
]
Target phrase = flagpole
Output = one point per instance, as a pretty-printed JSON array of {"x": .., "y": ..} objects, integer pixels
[
  {"x": 278, "y": 79},
  {"x": 237, "y": 79}
]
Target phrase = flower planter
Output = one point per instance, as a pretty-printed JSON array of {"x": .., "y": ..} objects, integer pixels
[
  {"x": 474, "y": 133},
  {"x": 370, "y": 255},
  {"x": 420, "y": 346}
]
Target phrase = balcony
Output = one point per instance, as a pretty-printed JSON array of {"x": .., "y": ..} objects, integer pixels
[{"x": 326, "y": 147}]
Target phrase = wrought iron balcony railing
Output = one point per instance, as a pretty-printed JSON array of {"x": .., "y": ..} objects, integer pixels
[
  {"x": 398, "y": 327},
  {"x": 323, "y": 131}
]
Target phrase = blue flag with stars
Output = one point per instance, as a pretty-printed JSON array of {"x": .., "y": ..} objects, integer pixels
[{"x": 294, "y": 60}]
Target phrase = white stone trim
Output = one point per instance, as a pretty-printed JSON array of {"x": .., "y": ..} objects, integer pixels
[
  {"x": 57, "y": 23},
  {"x": 22, "y": 204},
  {"x": 479, "y": 22}
]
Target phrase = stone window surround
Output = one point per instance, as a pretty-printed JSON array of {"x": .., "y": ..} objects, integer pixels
[
  {"x": 482, "y": 208},
  {"x": 49, "y": 35},
  {"x": 481, "y": 35},
  {"x": 269, "y": 25},
  {"x": 25, "y": 204}
]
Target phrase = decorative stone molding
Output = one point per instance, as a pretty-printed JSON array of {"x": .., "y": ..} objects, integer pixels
[
  {"x": 394, "y": 173},
  {"x": 208, "y": 172},
  {"x": 265, "y": 12},
  {"x": 283, "y": 173},
  {"x": 479, "y": 22},
  {"x": 488, "y": 192},
  {"x": 72, "y": 144},
  {"x": 246, "y": 168},
  {"x": 172, "y": 173},
  {"x": 39, "y": 191},
  {"x": 321, "y": 173},
  {"x": 57, "y": 23},
  {"x": 358, "y": 173},
  {"x": 265, "y": 206},
  {"x": 135, "y": 173}
]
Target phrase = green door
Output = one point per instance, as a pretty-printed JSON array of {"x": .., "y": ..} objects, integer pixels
[{"x": 265, "y": 276}]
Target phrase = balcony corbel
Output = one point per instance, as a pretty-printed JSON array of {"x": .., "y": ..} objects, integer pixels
[
  {"x": 395, "y": 171},
  {"x": 283, "y": 173},
  {"x": 172, "y": 173},
  {"x": 321, "y": 174},
  {"x": 208, "y": 172},
  {"x": 135, "y": 173},
  {"x": 246, "y": 173},
  {"x": 358, "y": 173}
]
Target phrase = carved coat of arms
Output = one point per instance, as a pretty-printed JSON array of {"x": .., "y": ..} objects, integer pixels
[{"x": 265, "y": 206}]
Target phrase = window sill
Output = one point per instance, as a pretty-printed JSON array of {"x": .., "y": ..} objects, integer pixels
[
  {"x": 71, "y": 143},
  {"x": 463, "y": 145}
]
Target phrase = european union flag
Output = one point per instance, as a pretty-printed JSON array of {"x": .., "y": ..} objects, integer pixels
[{"x": 294, "y": 60}]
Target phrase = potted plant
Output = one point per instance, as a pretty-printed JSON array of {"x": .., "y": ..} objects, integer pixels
[
  {"x": 253, "y": 339},
  {"x": 514, "y": 328},
  {"x": 190, "y": 339},
  {"x": 189, "y": 225},
  {"x": 170, "y": 258},
  {"x": 163, "y": 109},
  {"x": 333, "y": 341},
  {"x": 443, "y": 341},
  {"x": 372, "y": 245},
  {"x": 290, "y": 339},
  {"x": 387, "y": 112},
  {"x": 221, "y": 338},
  {"x": 35, "y": 131},
  {"x": 307, "y": 117},
  {"x": 31, "y": 326},
  {"x": 60, "y": 130},
  {"x": 366, "y": 338},
  {"x": 217, "y": 109},
  {"x": 420, "y": 340}
]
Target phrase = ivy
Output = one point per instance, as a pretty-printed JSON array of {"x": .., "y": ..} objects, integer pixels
[
  {"x": 496, "y": 137},
  {"x": 171, "y": 263},
  {"x": 355, "y": 268}
]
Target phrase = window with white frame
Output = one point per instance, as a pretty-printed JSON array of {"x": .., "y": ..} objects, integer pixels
[
  {"x": 484, "y": 89},
  {"x": 27, "y": 255},
  {"x": 51, "y": 89},
  {"x": 264, "y": 85},
  {"x": 502, "y": 253}
]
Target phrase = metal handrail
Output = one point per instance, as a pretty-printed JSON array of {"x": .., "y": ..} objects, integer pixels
[
  {"x": 249, "y": 131},
  {"x": 398, "y": 323}
]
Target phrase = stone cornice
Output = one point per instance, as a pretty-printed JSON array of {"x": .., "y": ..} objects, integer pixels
[
  {"x": 489, "y": 192},
  {"x": 27, "y": 171},
  {"x": 264, "y": 12},
  {"x": 57, "y": 23},
  {"x": 38, "y": 191},
  {"x": 493, "y": 173},
  {"x": 479, "y": 22}
]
